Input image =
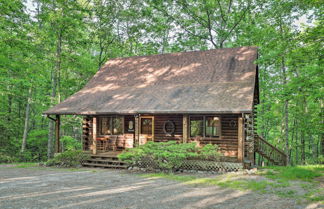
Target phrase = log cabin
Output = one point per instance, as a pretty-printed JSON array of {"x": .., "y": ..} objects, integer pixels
[{"x": 204, "y": 96}]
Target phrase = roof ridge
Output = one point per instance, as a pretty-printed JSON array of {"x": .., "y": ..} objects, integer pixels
[{"x": 174, "y": 53}]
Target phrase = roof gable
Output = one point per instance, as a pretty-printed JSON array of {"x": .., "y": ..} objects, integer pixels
[{"x": 220, "y": 80}]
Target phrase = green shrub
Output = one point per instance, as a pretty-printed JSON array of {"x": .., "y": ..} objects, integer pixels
[
  {"x": 4, "y": 158},
  {"x": 26, "y": 156},
  {"x": 69, "y": 143},
  {"x": 167, "y": 155},
  {"x": 210, "y": 152},
  {"x": 36, "y": 146},
  {"x": 68, "y": 159}
]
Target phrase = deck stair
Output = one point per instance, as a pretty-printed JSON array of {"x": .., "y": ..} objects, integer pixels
[
  {"x": 274, "y": 155},
  {"x": 270, "y": 152},
  {"x": 104, "y": 161}
]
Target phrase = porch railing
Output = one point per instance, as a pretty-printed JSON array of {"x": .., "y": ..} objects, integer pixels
[{"x": 270, "y": 152}]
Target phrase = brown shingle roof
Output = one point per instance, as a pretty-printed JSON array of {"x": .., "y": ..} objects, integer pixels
[{"x": 219, "y": 80}]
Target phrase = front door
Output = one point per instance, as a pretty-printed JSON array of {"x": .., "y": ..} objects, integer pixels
[{"x": 146, "y": 129}]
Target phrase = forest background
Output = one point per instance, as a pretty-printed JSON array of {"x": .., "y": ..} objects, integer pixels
[{"x": 49, "y": 49}]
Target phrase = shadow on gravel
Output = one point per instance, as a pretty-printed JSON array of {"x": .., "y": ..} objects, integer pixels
[{"x": 56, "y": 188}]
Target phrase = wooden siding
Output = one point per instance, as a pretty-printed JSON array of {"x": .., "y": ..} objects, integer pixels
[
  {"x": 159, "y": 120},
  {"x": 229, "y": 138},
  {"x": 87, "y": 133},
  {"x": 228, "y": 141}
]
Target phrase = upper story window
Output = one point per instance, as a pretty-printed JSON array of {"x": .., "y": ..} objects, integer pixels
[
  {"x": 112, "y": 125},
  {"x": 204, "y": 126}
]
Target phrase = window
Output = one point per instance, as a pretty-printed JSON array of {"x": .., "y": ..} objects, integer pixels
[
  {"x": 212, "y": 126},
  {"x": 196, "y": 126},
  {"x": 146, "y": 126},
  {"x": 117, "y": 125},
  {"x": 129, "y": 124},
  {"x": 205, "y": 126},
  {"x": 110, "y": 125},
  {"x": 104, "y": 126}
]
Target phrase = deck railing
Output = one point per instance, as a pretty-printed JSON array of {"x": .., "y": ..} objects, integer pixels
[{"x": 270, "y": 152}]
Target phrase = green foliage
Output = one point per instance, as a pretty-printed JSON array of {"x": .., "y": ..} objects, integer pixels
[
  {"x": 26, "y": 156},
  {"x": 167, "y": 155},
  {"x": 69, "y": 143},
  {"x": 304, "y": 173},
  {"x": 321, "y": 159},
  {"x": 68, "y": 159},
  {"x": 55, "y": 50},
  {"x": 209, "y": 152},
  {"x": 36, "y": 146},
  {"x": 4, "y": 158}
]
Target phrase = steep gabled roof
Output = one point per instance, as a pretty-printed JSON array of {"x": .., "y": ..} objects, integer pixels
[{"x": 213, "y": 81}]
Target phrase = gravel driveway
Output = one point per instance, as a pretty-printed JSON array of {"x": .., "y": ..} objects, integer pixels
[{"x": 98, "y": 188}]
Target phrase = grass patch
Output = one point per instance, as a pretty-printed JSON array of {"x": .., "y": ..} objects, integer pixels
[
  {"x": 286, "y": 194},
  {"x": 245, "y": 185},
  {"x": 316, "y": 195},
  {"x": 302, "y": 173},
  {"x": 222, "y": 181},
  {"x": 296, "y": 182},
  {"x": 169, "y": 176},
  {"x": 20, "y": 165}
]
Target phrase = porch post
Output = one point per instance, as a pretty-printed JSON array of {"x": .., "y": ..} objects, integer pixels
[
  {"x": 94, "y": 135},
  {"x": 185, "y": 129},
  {"x": 137, "y": 130},
  {"x": 57, "y": 134},
  {"x": 240, "y": 151}
]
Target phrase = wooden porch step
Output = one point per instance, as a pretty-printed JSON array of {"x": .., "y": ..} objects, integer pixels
[
  {"x": 104, "y": 165},
  {"x": 106, "y": 161},
  {"x": 104, "y": 156}
]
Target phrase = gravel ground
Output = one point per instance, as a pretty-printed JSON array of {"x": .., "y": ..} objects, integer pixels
[{"x": 98, "y": 188}]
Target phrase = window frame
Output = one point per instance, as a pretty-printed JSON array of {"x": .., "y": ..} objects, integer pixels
[
  {"x": 219, "y": 128},
  {"x": 203, "y": 126},
  {"x": 111, "y": 125},
  {"x": 140, "y": 124},
  {"x": 126, "y": 125}
]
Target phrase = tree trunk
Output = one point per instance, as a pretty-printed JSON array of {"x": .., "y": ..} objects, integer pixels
[
  {"x": 55, "y": 92},
  {"x": 286, "y": 113},
  {"x": 303, "y": 147},
  {"x": 24, "y": 142},
  {"x": 50, "y": 147},
  {"x": 58, "y": 64},
  {"x": 322, "y": 135}
]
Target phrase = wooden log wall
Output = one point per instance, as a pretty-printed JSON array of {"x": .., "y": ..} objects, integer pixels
[
  {"x": 228, "y": 141},
  {"x": 87, "y": 133},
  {"x": 159, "y": 135}
]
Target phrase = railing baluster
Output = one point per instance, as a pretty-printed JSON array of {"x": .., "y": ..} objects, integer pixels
[{"x": 270, "y": 152}]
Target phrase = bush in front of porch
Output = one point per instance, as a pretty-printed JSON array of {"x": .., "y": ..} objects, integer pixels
[
  {"x": 70, "y": 158},
  {"x": 167, "y": 155}
]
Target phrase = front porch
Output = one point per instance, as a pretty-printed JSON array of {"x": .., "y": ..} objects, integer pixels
[
  {"x": 111, "y": 133},
  {"x": 109, "y": 159}
]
